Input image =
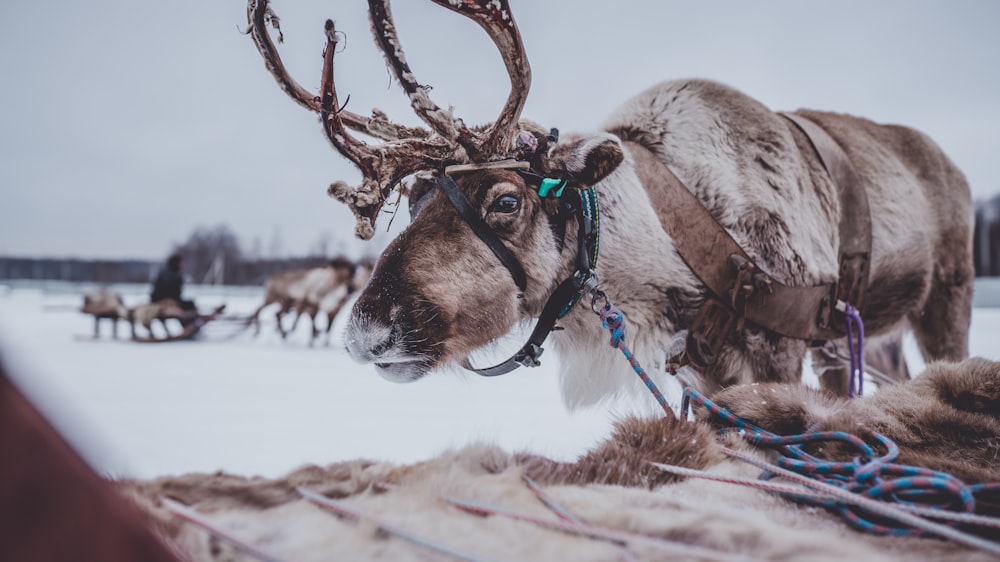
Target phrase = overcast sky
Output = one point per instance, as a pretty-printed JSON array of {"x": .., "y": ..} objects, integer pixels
[{"x": 124, "y": 124}]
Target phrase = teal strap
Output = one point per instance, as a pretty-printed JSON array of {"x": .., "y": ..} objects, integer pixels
[
  {"x": 550, "y": 184},
  {"x": 590, "y": 213}
]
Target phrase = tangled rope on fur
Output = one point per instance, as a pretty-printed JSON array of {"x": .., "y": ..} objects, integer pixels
[{"x": 869, "y": 474}]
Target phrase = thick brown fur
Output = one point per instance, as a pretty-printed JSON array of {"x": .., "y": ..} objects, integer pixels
[
  {"x": 945, "y": 420},
  {"x": 439, "y": 293}
]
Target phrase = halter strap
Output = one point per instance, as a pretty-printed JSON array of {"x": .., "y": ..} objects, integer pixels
[
  {"x": 567, "y": 294},
  {"x": 483, "y": 230}
]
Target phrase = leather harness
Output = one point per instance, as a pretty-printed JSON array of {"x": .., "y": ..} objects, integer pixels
[{"x": 740, "y": 291}]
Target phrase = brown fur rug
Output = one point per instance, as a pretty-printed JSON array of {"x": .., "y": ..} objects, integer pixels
[{"x": 946, "y": 419}]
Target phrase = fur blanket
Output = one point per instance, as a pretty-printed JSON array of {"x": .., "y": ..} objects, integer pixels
[{"x": 946, "y": 419}]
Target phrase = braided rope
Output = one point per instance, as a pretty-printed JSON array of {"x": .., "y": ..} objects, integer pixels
[
  {"x": 614, "y": 321},
  {"x": 867, "y": 482}
]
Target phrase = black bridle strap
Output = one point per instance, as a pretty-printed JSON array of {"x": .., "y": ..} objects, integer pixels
[
  {"x": 483, "y": 230},
  {"x": 566, "y": 295},
  {"x": 529, "y": 353}
]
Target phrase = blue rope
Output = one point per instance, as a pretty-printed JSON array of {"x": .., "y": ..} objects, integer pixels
[
  {"x": 614, "y": 321},
  {"x": 870, "y": 473}
]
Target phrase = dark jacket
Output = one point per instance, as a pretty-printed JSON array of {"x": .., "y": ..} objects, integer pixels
[{"x": 168, "y": 285}]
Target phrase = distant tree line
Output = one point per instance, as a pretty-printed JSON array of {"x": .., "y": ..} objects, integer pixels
[{"x": 212, "y": 255}]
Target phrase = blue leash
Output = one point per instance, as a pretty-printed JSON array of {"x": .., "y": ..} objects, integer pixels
[{"x": 614, "y": 321}]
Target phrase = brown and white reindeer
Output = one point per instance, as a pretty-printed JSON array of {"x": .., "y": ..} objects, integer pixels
[
  {"x": 355, "y": 277},
  {"x": 284, "y": 288},
  {"x": 105, "y": 304},
  {"x": 491, "y": 243},
  {"x": 312, "y": 291},
  {"x": 327, "y": 290}
]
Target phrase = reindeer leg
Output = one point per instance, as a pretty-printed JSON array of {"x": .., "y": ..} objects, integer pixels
[
  {"x": 285, "y": 306},
  {"x": 332, "y": 315},
  {"x": 941, "y": 327},
  {"x": 97, "y": 326},
  {"x": 314, "y": 332},
  {"x": 886, "y": 357},
  {"x": 255, "y": 318},
  {"x": 833, "y": 374},
  {"x": 298, "y": 314}
]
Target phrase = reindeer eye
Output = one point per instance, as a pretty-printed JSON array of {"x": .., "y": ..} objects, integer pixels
[{"x": 505, "y": 204}]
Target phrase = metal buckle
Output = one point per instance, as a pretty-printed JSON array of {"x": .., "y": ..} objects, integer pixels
[
  {"x": 528, "y": 357},
  {"x": 708, "y": 332}
]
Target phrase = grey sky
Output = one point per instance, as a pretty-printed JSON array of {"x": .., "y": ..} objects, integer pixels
[{"x": 123, "y": 124}]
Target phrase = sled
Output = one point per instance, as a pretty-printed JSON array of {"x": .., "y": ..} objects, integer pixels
[{"x": 193, "y": 325}]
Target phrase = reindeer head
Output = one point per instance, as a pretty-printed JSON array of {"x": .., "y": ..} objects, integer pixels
[{"x": 441, "y": 290}]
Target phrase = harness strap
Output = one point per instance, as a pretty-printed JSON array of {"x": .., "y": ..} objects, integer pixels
[
  {"x": 529, "y": 353},
  {"x": 483, "y": 230},
  {"x": 567, "y": 294},
  {"x": 708, "y": 250},
  {"x": 855, "y": 219},
  {"x": 738, "y": 289}
]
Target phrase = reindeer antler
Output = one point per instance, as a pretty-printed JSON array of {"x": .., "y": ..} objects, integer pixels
[{"x": 406, "y": 150}]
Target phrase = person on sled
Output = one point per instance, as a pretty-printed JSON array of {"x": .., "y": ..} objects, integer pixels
[{"x": 170, "y": 282}]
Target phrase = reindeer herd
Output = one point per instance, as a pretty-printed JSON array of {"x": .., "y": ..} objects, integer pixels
[{"x": 316, "y": 292}]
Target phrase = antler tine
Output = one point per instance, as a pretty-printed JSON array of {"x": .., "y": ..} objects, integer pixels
[
  {"x": 408, "y": 149},
  {"x": 259, "y": 16},
  {"x": 439, "y": 120},
  {"x": 382, "y": 167},
  {"x": 495, "y": 17}
]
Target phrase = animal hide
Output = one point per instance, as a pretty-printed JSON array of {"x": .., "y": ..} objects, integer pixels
[{"x": 947, "y": 419}]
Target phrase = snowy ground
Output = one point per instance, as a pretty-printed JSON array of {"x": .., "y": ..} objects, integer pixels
[{"x": 265, "y": 406}]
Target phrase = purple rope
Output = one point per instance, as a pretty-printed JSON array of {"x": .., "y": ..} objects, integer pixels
[{"x": 857, "y": 355}]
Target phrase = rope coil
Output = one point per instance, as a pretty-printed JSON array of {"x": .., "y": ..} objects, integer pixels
[{"x": 869, "y": 473}]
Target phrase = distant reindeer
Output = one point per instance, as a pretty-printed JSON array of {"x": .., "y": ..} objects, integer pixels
[
  {"x": 326, "y": 290},
  {"x": 104, "y": 304},
  {"x": 722, "y": 228},
  {"x": 162, "y": 310},
  {"x": 310, "y": 292},
  {"x": 333, "y": 302},
  {"x": 284, "y": 288}
]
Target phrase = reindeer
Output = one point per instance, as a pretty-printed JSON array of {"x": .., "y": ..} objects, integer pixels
[
  {"x": 726, "y": 230},
  {"x": 333, "y": 301},
  {"x": 104, "y": 304},
  {"x": 309, "y": 291},
  {"x": 162, "y": 310},
  {"x": 284, "y": 288},
  {"x": 326, "y": 290}
]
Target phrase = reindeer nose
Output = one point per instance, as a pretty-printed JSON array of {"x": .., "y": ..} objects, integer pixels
[{"x": 367, "y": 340}]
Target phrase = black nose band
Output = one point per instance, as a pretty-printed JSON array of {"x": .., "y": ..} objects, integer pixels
[{"x": 482, "y": 230}]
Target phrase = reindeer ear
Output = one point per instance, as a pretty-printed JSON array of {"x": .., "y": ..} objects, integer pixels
[{"x": 585, "y": 160}]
